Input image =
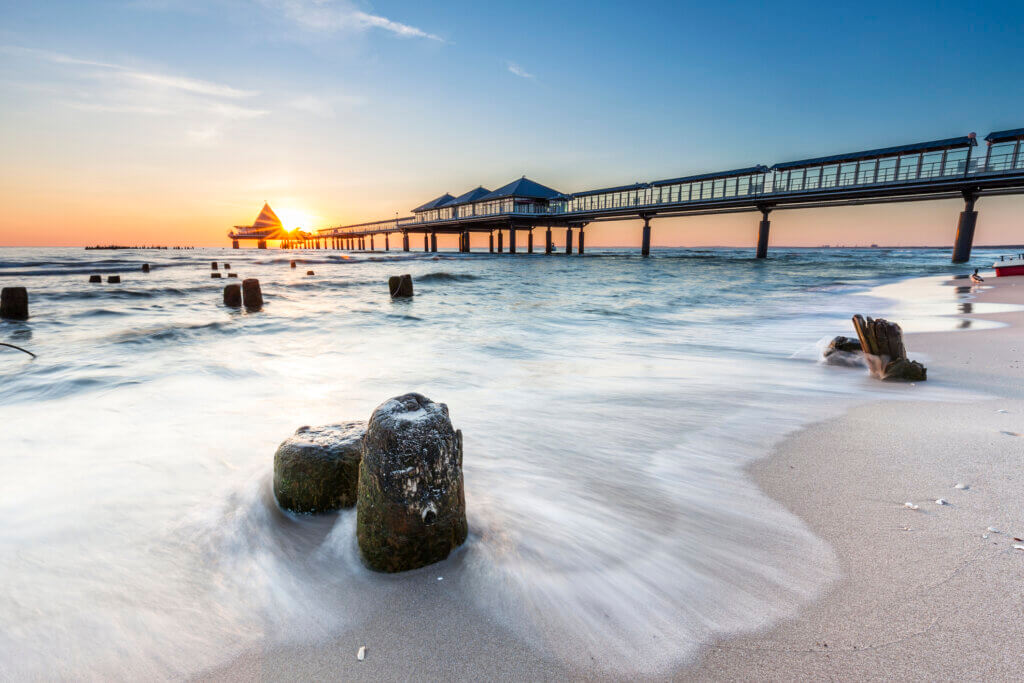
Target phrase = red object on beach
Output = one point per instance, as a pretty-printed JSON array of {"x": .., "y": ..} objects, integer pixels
[{"x": 1009, "y": 266}]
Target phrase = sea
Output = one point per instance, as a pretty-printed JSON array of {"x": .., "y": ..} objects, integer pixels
[{"x": 610, "y": 406}]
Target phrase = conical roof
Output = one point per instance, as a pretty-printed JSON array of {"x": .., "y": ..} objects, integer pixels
[{"x": 267, "y": 218}]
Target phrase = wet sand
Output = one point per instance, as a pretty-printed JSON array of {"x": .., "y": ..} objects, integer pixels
[{"x": 923, "y": 593}]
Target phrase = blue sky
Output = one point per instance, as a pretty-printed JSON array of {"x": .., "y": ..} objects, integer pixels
[{"x": 353, "y": 110}]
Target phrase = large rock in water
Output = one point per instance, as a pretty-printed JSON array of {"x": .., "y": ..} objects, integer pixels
[
  {"x": 412, "y": 505},
  {"x": 317, "y": 469}
]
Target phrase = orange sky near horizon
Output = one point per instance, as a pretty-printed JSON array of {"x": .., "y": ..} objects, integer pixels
[{"x": 38, "y": 215}]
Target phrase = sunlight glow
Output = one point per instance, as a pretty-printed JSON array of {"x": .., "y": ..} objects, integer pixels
[{"x": 295, "y": 218}]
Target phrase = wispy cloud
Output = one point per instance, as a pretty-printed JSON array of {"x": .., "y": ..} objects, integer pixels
[
  {"x": 331, "y": 16},
  {"x": 190, "y": 85},
  {"x": 514, "y": 68}
]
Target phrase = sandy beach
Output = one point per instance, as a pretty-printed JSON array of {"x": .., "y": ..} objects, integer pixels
[{"x": 926, "y": 593}]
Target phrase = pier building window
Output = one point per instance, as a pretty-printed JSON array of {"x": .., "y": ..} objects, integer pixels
[
  {"x": 1001, "y": 156},
  {"x": 908, "y": 167},
  {"x": 847, "y": 174},
  {"x": 829, "y": 176},
  {"x": 796, "y": 180},
  {"x": 887, "y": 170},
  {"x": 866, "y": 171},
  {"x": 931, "y": 165},
  {"x": 743, "y": 185},
  {"x": 956, "y": 162},
  {"x": 718, "y": 188}
]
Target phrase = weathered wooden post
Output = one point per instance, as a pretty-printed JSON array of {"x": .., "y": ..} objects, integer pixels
[
  {"x": 291, "y": 264},
  {"x": 95, "y": 278},
  {"x": 14, "y": 303},
  {"x": 145, "y": 267},
  {"x": 213, "y": 266},
  {"x": 411, "y": 508},
  {"x": 886, "y": 356},
  {"x": 114, "y": 279},
  {"x": 400, "y": 286},
  {"x": 317, "y": 469},
  {"x": 215, "y": 275},
  {"x": 252, "y": 295},
  {"x": 233, "y": 296}
]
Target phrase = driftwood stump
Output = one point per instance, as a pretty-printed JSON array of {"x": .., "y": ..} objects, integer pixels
[
  {"x": 400, "y": 286},
  {"x": 886, "y": 356}
]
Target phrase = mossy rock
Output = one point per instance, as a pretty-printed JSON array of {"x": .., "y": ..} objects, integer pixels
[
  {"x": 411, "y": 510},
  {"x": 317, "y": 469}
]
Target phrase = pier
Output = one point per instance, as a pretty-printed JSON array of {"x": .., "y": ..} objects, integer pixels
[{"x": 940, "y": 169}]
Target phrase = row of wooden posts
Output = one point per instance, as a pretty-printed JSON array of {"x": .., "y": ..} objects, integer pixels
[{"x": 367, "y": 242}]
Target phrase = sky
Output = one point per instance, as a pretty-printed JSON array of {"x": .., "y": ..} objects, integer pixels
[{"x": 169, "y": 121}]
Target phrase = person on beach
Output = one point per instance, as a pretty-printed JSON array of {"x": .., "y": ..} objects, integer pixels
[{"x": 975, "y": 278}]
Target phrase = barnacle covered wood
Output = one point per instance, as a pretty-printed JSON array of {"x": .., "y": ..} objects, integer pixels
[
  {"x": 317, "y": 469},
  {"x": 412, "y": 508}
]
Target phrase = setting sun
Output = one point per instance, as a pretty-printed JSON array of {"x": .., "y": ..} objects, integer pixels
[{"x": 294, "y": 218}]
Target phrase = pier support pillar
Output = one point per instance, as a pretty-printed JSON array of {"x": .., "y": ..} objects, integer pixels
[
  {"x": 234, "y": 244},
  {"x": 645, "y": 244},
  {"x": 387, "y": 242},
  {"x": 511, "y": 240},
  {"x": 762, "y": 234},
  {"x": 965, "y": 229},
  {"x": 549, "y": 245},
  {"x": 529, "y": 242},
  {"x": 426, "y": 242},
  {"x": 372, "y": 248},
  {"x": 568, "y": 240},
  {"x": 580, "y": 249},
  {"x": 465, "y": 241},
  {"x": 490, "y": 236},
  {"x": 405, "y": 241},
  {"x": 262, "y": 244},
  {"x": 433, "y": 241},
  {"x": 501, "y": 242}
]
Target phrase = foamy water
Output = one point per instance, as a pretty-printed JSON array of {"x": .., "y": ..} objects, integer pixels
[{"x": 609, "y": 405}]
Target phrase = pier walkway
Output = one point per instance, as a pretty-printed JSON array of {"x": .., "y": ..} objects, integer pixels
[{"x": 941, "y": 169}]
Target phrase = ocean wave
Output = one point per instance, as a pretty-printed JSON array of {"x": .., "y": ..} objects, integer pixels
[{"x": 444, "y": 276}]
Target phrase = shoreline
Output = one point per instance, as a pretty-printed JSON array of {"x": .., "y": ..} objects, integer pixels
[
  {"x": 902, "y": 571},
  {"x": 923, "y": 593}
]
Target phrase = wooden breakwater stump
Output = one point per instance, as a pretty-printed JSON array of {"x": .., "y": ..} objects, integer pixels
[
  {"x": 95, "y": 278},
  {"x": 145, "y": 267},
  {"x": 232, "y": 274},
  {"x": 292, "y": 263},
  {"x": 252, "y": 295},
  {"x": 227, "y": 266},
  {"x": 114, "y": 279},
  {"x": 14, "y": 303},
  {"x": 400, "y": 286},
  {"x": 233, "y": 296},
  {"x": 411, "y": 508},
  {"x": 317, "y": 469},
  {"x": 213, "y": 265},
  {"x": 215, "y": 275},
  {"x": 884, "y": 351},
  {"x": 310, "y": 272}
]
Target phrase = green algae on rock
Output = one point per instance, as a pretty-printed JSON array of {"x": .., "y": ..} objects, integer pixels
[
  {"x": 317, "y": 469},
  {"x": 411, "y": 510}
]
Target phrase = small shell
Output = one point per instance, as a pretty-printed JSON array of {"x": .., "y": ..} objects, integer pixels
[
  {"x": 941, "y": 501},
  {"x": 910, "y": 506},
  {"x": 361, "y": 655},
  {"x": 962, "y": 487},
  {"x": 994, "y": 530},
  {"x": 1018, "y": 546}
]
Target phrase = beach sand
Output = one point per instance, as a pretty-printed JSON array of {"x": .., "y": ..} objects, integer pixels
[{"x": 923, "y": 593}]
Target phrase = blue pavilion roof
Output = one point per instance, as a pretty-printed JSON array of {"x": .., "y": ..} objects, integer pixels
[
  {"x": 471, "y": 196},
  {"x": 1004, "y": 135},
  {"x": 524, "y": 188},
  {"x": 933, "y": 146},
  {"x": 443, "y": 200}
]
